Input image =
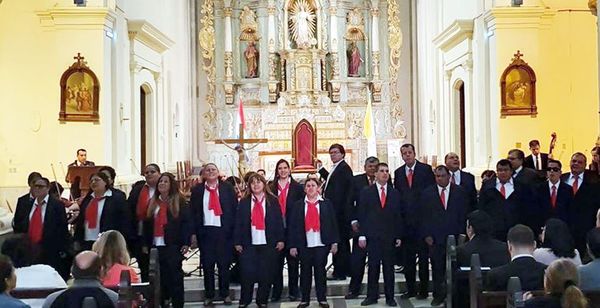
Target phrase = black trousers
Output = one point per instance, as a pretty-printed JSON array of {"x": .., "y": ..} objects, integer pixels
[
  {"x": 437, "y": 255},
  {"x": 143, "y": 259},
  {"x": 381, "y": 252},
  {"x": 257, "y": 263},
  {"x": 313, "y": 259},
  {"x": 171, "y": 274},
  {"x": 215, "y": 250},
  {"x": 341, "y": 260},
  {"x": 293, "y": 273},
  {"x": 358, "y": 259},
  {"x": 413, "y": 248}
]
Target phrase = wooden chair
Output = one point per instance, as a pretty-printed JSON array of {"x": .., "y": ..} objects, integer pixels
[{"x": 450, "y": 266}]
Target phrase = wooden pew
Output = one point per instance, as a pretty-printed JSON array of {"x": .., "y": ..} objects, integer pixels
[{"x": 450, "y": 266}]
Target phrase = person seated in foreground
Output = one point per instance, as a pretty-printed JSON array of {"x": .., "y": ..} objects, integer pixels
[
  {"x": 589, "y": 274},
  {"x": 492, "y": 252},
  {"x": 560, "y": 288},
  {"x": 113, "y": 253},
  {"x": 557, "y": 243},
  {"x": 8, "y": 281}
]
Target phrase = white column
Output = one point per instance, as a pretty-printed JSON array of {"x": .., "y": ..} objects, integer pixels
[
  {"x": 333, "y": 37},
  {"x": 375, "y": 37}
]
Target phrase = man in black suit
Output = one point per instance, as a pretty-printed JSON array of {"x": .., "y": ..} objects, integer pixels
[
  {"x": 507, "y": 202},
  {"x": 553, "y": 196},
  {"x": 444, "y": 213},
  {"x": 536, "y": 161},
  {"x": 338, "y": 189},
  {"x": 521, "y": 244},
  {"x": 586, "y": 200},
  {"x": 82, "y": 160},
  {"x": 27, "y": 199},
  {"x": 521, "y": 174},
  {"x": 359, "y": 255},
  {"x": 492, "y": 253},
  {"x": 380, "y": 222},
  {"x": 410, "y": 179},
  {"x": 462, "y": 178},
  {"x": 213, "y": 207},
  {"x": 44, "y": 220}
]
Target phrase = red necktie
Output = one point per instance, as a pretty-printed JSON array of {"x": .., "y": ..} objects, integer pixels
[
  {"x": 142, "y": 203},
  {"x": 443, "y": 197},
  {"x": 553, "y": 196},
  {"x": 503, "y": 190},
  {"x": 91, "y": 213},
  {"x": 575, "y": 184},
  {"x": 382, "y": 197},
  {"x": 160, "y": 220},
  {"x": 409, "y": 177},
  {"x": 258, "y": 214},
  {"x": 36, "y": 226},
  {"x": 283, "y": 192},
  {"x": 311, "y": 220},
  {"x": 214, "y": 203}
]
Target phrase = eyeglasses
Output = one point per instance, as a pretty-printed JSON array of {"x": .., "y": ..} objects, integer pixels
[
  {"x": 554, "y": 169},
  {"x": 40, "y": 186}
]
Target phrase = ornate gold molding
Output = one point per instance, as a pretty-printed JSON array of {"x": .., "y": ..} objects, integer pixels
[
  {"x": 206, "y": 38},
  {"x": 395, "y": 44}
]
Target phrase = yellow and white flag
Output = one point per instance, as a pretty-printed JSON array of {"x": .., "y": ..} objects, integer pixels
[{"x": 369, "y": 128}]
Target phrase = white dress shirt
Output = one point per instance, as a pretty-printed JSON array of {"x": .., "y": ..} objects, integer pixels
[
  {"x": 259, "y": 237},
  {"x": 407, "y": 169},
  {"x": 517, "y": 172},
  {"x": 210, "y": 219},
  {"x": 44, "y": 205},
  {"x": 446, "y": 194},
  {"x": 92, "y": 234},
  {"x": 509, "y": 187},
  {"x": 456, "y": 176},
  {"x": 330, "y": 173},
  {"x": 313, "y": 238},
  {"x": 572, "y": 177},
  {"x": 550, "y": 186},
  {"x": 537, "y": 161}
]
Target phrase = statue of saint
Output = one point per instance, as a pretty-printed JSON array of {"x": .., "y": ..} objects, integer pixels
[
  {"x": 251, "y": 55},
  {"x": 303, "y": 24},
  {"x": 354, "y": 60}
]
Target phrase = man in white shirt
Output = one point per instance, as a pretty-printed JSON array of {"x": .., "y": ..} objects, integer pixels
[{"x": 537, "y": 160}]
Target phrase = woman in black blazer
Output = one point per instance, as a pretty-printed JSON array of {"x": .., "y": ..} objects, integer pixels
[
  {"x": 258, "y": 238},
  {"x": 169, "y": 229},
  {"x": 313, "y": 234},
  {"x": 288, "y": 191}
]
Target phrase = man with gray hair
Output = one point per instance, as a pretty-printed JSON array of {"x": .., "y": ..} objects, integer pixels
[{"x": 86, "y": 291}]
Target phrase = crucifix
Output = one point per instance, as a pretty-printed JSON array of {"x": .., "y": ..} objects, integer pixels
[{"x": 241, "y": 149}]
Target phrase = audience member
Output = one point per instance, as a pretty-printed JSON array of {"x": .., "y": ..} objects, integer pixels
[
  {"x": 112, "y": 249},
  {"x": 589, "y": 274},
  {"x": 492, "y": 252},
  {"x": 86, "y": 290},
  {"x": 560, "y": 286},
  {"x": 557, "y": 243},
  {"x": 521, "y": 244},
  {"x": 8, "y": 281}
]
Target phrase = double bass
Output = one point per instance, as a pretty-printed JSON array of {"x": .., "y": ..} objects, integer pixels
[{"x": 552, "y": 145}]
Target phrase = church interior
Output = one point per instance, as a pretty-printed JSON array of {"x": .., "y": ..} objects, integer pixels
[{"x": 244, "y": 83}]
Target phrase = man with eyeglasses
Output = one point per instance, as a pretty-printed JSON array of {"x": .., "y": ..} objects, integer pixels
[
  {"x": 44, "y": 220},
  {"x": 586, "y": 200},
  {"x": 553, "y": 196}
]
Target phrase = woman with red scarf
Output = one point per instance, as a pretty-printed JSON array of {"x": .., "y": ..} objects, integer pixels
[
  {"x": 258, "y": 238},
  {"x": 168, "y": 228},
  {"x": 288, "y": 191},
  {"x": 312, "y": 236}
]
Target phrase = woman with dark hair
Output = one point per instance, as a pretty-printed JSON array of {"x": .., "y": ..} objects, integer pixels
[
  {"x": 168, "y": 228},
  {"x": 100, "y": 211},
  {"x": 8, "y": 281},
  {"x": 288, "y": 192},
  {"x": 258, "y": 237},
  {"x": 112, "y": 174},
  {"x": 557, "y": 243},
  {"x": 561, "y": 287}
]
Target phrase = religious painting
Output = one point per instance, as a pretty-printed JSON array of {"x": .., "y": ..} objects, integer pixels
[
  {"x": 517, "y": 86},
  {"x": 79, "y": 95}
]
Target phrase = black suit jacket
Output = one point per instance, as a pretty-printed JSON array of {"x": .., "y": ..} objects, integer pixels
[
  {"x": 492, "y": 252},
  {"x": 527, "y": 177},
  {"x": 295, "y": 193},
  {"x": 411, "y": 211},
  {"x": 467, "y": 182},
  {"x": 114, "y": 216},
  {"x": 178, "y": 230},
  {"x": 546, "y": 301},
  {"x": 339, "y": 191},
  {"x": 564, "y": 196},
  {"x": 517, "y": 208},
  {"x": 377, "y": 221},
  {"x": 583, "y": 209},
  {"x": 229, "y": 203},
  {"x": 328, "y": 224},
  {"x": 528, "y": 162},
  {"x": 529, "y": 271},
  {"x": 274, "y": 232},
  {"x": 439, "y": 222},
  {"x": 88, "y": 163},
  {"x": 55, "y": 237},
  {"x": 359, "y": 182}
]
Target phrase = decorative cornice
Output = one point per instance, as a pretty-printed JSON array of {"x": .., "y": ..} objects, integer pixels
[
  {"x": 149, "y": 35},
  {"x": 457, "y": 32},
  {"x": 518, "y": 17},
  {"x": 77, "y": 18}
]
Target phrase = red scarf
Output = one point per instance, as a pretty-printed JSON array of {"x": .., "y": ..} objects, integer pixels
[
  {"x": 91, "y": 212},
  {"x": 283, "y": 193},
  {"x": 214, "y": 203},
  {"x": 143, "y": 202},
  {"x": 160, "y": 220},
  {"x": 311, "y": 220},
  {"x": 36, "y": 225},
  {"x": 258, "y": 215}
]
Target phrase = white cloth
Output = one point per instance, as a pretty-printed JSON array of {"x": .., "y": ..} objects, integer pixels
[
  {"x": 446, "y": 194},
  {"x": 313, "y": 238},
  {"x": 38, "y": 276},
  {"x": 509, "y": 187},
  {"x": 210, "y": 219},
  {"x": 572, "y": 177},
  {"x": 92, "y": 234},
  {"x": 259, "y": 237},
  {"x": 44, "y": 204},
  {"x": 456, "y": 176},
  {"x": 546, "y": 256}
]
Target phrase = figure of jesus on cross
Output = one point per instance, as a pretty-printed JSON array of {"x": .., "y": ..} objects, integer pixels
[{"x": 241, "y": 149}]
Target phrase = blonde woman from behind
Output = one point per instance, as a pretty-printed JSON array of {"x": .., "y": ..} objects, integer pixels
[
  {"x": 111, "y": 248},
  {"x": 561, "y": 282}
]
